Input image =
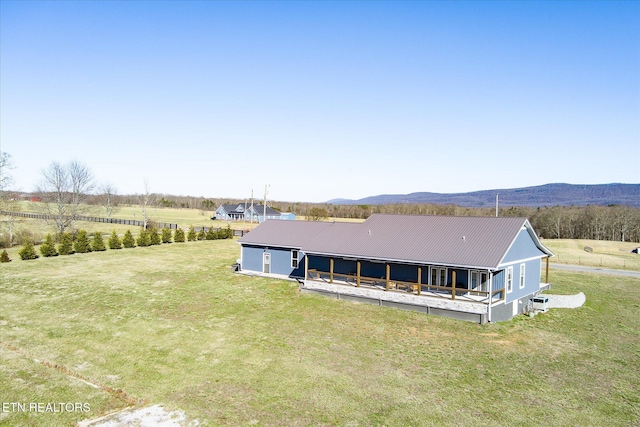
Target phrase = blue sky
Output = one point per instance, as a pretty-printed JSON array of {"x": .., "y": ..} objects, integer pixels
[{"x": 322, "y": 100}]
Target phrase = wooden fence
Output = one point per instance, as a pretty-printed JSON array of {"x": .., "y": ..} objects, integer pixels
[
  {"x": 92, "y": 219},
  {"x": 236, "y": 233}
]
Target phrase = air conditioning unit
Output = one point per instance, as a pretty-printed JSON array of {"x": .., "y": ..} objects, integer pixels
[{"x": 540, "y": 303}]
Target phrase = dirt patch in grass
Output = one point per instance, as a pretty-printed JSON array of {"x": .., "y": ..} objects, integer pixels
[{"x": 155, "y": 415}]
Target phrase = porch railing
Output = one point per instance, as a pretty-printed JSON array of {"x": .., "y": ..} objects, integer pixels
[{"x": 382, "y": 283}]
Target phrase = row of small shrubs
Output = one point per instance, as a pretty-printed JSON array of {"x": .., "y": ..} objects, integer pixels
[
  {"x": 83, "y": 244},
  {"x": 211, "y": 234}
]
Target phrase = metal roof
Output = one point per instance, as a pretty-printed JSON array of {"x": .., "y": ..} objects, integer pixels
[
  {"x": 480, "y": 242},
  {"x": 290, "y": 234}
]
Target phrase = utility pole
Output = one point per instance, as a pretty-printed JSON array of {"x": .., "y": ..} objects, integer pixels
[
  {"x": 264, "y": 214},
  {"x": 251, "y": 206},
  {"x": 244, "y": 214},
  {"x": 497, "y": 205}
]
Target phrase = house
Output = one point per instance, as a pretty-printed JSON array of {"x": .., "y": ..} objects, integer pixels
[
  {"x": 482, "y": 269},
  {"x": 256, "y": 213}
]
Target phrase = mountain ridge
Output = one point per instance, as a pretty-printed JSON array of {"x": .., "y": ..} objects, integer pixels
[{"x": 555, "y": 194}]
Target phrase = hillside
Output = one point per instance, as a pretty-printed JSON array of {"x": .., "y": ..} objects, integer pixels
[{"x": 538, "y": 196}]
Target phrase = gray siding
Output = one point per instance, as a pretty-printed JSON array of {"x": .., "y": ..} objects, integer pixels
[
  {"x": 502, "y": 312},
  {"x": 252, "y": 257}
]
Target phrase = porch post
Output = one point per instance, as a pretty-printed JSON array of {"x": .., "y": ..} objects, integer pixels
[
  {"x": 306, "y": 267},
  {"x": 419, "y": 279},
  {"x": 357, "y": 273},
  {"x": 330, "y": 270},
  {"x": 453, "y": 284},
  {"x": 546, "y": 280},
  {"x": 388, "y": 274}
]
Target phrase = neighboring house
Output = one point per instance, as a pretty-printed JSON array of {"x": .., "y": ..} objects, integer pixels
[
  {"x": 482, "y": 269},
  {"x": 255, "y": 213}
]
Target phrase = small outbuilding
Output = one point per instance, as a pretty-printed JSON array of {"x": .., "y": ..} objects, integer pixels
[{"x": 481, "y": 269}]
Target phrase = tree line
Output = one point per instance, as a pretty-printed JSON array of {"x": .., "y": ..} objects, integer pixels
[
  {"x": 68, "y": 189},
  {"x": 614, "y": 222}
]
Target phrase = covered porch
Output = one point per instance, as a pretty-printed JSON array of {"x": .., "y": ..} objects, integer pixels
[{"x": 391, "y": 279}]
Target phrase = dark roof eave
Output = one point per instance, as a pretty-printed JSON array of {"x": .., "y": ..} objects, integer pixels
[
  {"x": 270, "y": 245},
  {"x": 404, "y": 261}
]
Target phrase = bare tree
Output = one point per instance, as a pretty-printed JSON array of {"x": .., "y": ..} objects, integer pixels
[
  {"x": 144, "y": 199},
  {"x": 6, "y": 164},
  {"x": 64, "y": 190},
  {"x": 108, "y": 197},
  {"x": 8, "y": 202}
]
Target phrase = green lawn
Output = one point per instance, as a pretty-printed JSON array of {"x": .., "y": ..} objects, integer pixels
[
  {"x": 183, "y": 217},
  {"x": 605, "y": 253},
  {"x": 173, "y": 325}
]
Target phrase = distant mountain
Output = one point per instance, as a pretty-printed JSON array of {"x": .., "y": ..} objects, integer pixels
[{"x": 542, "y": 195}]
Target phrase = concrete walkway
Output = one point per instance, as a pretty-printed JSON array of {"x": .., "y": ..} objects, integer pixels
[
  {"x": 599, "y": 270},
  {"x": 566, "y": 301}
]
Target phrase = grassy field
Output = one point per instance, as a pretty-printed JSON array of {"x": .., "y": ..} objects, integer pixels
[
  {"x": 183, "y": 217},
  {"x": 605, "y": 253},
  {"x": 173, "y": 325}
]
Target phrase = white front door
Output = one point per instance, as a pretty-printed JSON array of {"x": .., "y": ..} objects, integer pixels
[{"x": 266, "y": 262}]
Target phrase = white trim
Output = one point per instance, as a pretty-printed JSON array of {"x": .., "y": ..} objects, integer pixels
[
  {"x": 508, "y": 272},
  {"x": 470, "y": 279},
  {"x": 269, "y": 246},
  {"x": 503, "y": 265},
  {"x": 527, "y": 226},
  {"x": 306, "y": 268},
  {"x": 438, "y": 271},
  {"x": 266, "y": 255}
]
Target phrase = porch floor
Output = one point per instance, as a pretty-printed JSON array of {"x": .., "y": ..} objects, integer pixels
[{"x": 463, "y": 302}]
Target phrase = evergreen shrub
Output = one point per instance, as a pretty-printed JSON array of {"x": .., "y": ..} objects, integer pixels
[
  {"x": 114, "y": 241},
  {"x": 48, "y": 247},
  {"x": 4, "y": 257},
  {"x": 191, "y": 235},
  {"x": 166, "y": 235},
  {"x": 178, "y": 236},
  {"x": 66, "y": 244},
  {"x": 143, "y": 238},
  {"x": 98, "y": 242},
  {"x": 82, "y": 244},
  {"x": 28, "y": 251},
  {"x": 154, "y": 237},
  {"x": 128, "y": 241},
  {"x": 211, "y": 234}
]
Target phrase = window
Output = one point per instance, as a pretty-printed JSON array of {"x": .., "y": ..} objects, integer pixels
[
  {"x": 474, "y": 280},
  {"x": 522, "y": 276},
  {"x": 294, "y": 259},
  {"x": 509, "y": 279},
  {"x": 484, "y": 282},
  {"x": 438, "y": 276},
  {"x": 479, "y": 281}
]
